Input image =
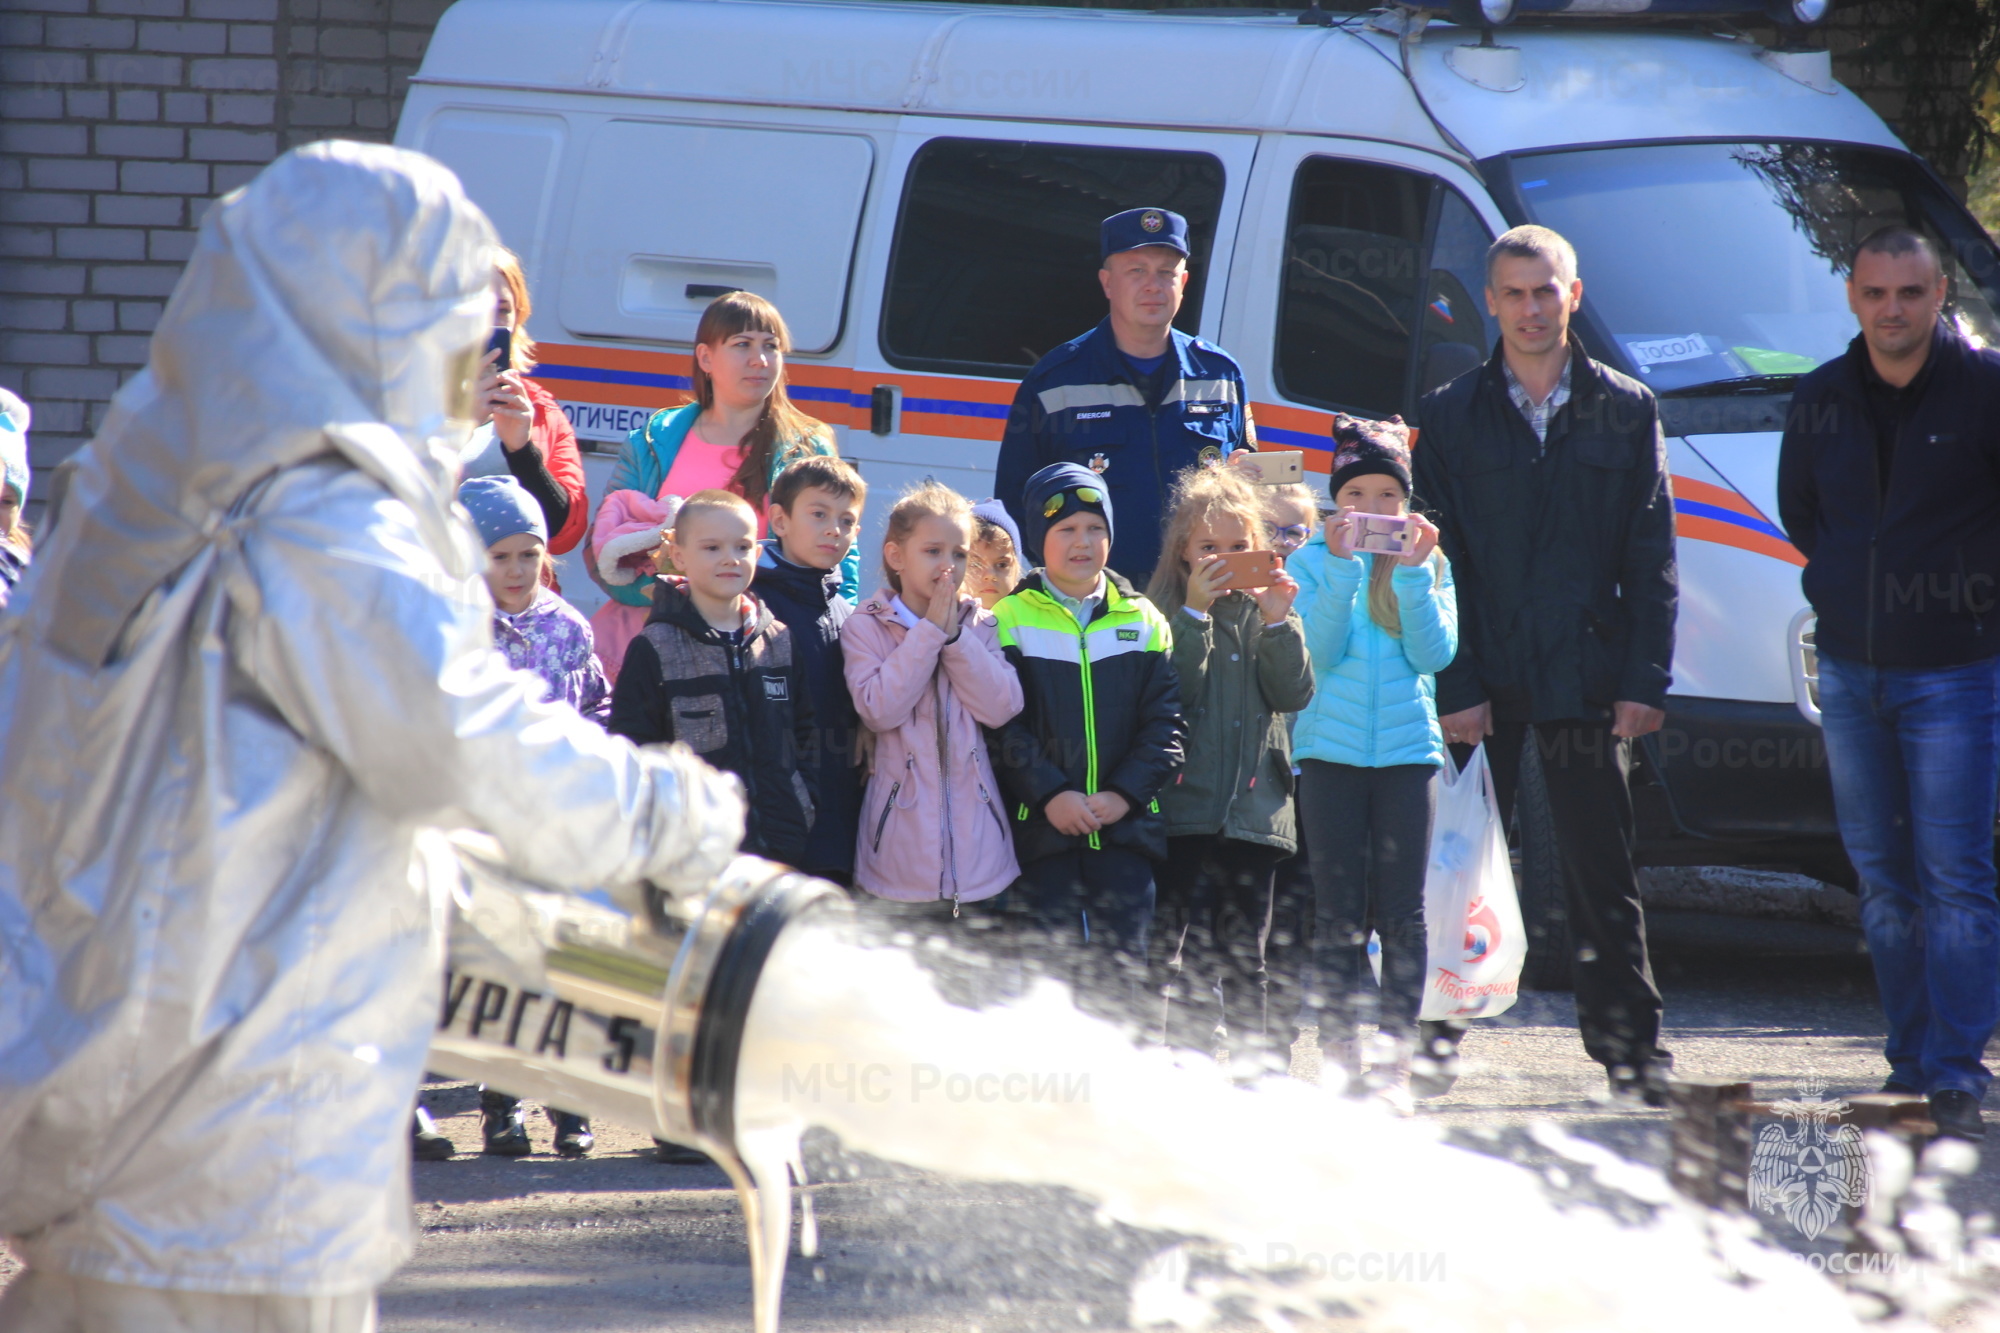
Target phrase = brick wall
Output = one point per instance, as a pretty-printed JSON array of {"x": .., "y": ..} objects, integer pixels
[{"x": 119, "y": 121}]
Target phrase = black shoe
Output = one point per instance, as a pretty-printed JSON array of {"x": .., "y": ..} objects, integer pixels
[
  {"x": 426, "y": 1144},
  {"x": 679, "y": 1154},
  {"x": 505, "y": 1125},
  {"x": 573, "y": 1136},
  {"x": 1956, "y": 1114},
  {"x": 1434, "y": 1070},
  {"x": 1897, "y": 1088},
  {"x": 1646, "y": 1084}
]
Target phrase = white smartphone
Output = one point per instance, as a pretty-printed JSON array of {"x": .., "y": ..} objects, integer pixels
[{"x": 1280, "y": 467}]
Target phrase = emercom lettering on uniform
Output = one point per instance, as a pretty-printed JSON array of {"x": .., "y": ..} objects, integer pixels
[
  {"x": 1083, "y": 404},
  {"x": 1040, "y": 627}
]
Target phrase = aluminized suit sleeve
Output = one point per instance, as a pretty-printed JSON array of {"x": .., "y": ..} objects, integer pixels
[{"x": 372, "y": 651}]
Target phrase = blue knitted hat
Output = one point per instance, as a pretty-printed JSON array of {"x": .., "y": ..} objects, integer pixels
[{"x": 501, "y": 507}]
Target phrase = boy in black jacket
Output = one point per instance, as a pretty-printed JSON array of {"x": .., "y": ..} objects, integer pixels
[
  {"x": 1100, "y": 734},
  {"x": 815, "y": 514},
  {"x": 715, "y": 670}
]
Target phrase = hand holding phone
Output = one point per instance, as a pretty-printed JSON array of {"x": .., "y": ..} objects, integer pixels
[
  {"x": 502, "y": 342},
  {"x": 1271, "y": 467},
  {"x": 1246, "y": 571},
  {"x": 1378, "y": 534}
]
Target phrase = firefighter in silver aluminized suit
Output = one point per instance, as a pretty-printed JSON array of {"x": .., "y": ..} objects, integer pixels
[{"x": 248, "y": 680}]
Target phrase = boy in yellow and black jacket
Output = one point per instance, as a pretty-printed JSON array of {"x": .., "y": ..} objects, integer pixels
[{"x": 1099, "y": 736}]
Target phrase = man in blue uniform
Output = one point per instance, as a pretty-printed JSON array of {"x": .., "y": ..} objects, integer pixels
[{"x": 1135, "y": 399}]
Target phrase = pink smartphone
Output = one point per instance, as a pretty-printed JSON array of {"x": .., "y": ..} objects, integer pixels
[{"x": 1379, "y": 534}]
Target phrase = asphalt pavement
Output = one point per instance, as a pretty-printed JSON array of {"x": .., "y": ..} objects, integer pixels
[{"x": 618, "y": 1242}]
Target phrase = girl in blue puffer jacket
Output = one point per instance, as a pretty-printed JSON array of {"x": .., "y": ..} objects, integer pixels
[{"x": 1378, "y": 628}]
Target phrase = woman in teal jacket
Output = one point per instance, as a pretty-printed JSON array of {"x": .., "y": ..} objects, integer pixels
[
  {"x": 738, "y": 434},
  {"x": 1378, "y": 628},
  {"x": 648, "y": 455}
]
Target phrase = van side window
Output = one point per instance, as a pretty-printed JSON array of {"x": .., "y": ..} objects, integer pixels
[
  {"x": 1352, "y": 284},
  {"x": 1458, "y": 333},
  {"x": 995, "y": 258}
]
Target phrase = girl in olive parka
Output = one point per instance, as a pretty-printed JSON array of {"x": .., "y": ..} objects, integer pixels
[{"x": 1243, "y": 666}]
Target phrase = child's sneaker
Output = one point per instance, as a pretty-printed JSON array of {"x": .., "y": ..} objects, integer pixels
[
  {"x": 573, "y": 1136},
  {"x": 505, "y": 1127},
  {"x": 426, "y": 1144}
]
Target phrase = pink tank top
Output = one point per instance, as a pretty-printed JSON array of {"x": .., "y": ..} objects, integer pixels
[{"x": 702, "y": 466}]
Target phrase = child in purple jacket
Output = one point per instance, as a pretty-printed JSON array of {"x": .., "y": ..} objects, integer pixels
[
  {"x": 539, "y": 632},
  {"x": 535, "y": 628}
]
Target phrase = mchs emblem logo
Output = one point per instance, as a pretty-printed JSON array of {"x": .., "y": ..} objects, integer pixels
[
  {"x": 1151, "y": 220},
  {"x": 1808, "y": 1167}
]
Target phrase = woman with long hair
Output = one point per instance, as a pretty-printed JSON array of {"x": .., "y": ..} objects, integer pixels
[{"x": 737, "y": 434}]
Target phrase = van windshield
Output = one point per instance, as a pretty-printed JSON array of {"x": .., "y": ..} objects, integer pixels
[{"x": 1722, "y": 266}]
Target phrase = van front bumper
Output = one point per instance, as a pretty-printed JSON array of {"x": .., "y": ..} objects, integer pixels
[{"x": 1726, "y": 782}]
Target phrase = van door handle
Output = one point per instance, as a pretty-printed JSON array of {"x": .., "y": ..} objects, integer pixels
[
  {"x": 882, "y": 405},
  {"x": 697, "y": 291}
]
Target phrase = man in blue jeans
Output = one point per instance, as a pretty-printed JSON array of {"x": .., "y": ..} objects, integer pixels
[{"x": 1889, "y": 483}]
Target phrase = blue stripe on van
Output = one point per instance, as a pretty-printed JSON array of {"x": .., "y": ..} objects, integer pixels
[
  {"x": 815, "y": 394},
  {"x": 804, "y": 392},
  {"x": 1296, "y": 439},
  {"x": 594, "y": 375},
  {"x": 1699, "y": 510},
  {"x": 956, "y": 407}
]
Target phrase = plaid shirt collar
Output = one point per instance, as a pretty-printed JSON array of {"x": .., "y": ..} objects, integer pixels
[{"x": 1539, "y": 415}]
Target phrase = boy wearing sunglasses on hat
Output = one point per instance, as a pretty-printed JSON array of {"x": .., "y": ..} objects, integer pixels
[{"x": 1100, "y": 732}]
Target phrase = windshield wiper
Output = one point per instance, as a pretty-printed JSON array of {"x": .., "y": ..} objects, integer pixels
[{"x": 1740, "y": 384}]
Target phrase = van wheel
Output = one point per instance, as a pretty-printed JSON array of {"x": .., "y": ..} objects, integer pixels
[{"x": 1551, "y": 953}]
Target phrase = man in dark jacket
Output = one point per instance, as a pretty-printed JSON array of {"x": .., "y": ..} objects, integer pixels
[
  {"x": 1889, "y": 483},
  {"x": 1546, "y": 474}
]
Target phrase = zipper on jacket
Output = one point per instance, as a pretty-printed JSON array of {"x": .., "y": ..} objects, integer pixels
[
  {"x": 1236, "y": 760},
  {"x": 743, "y": 711},
  {"x": 1881, "y": 485},
  {"x": 1965, "y": 588},
  {"x": 887, "y": 806},
  {"x": 1090, "y": 714},
  {"x": 948, "y": 845}
]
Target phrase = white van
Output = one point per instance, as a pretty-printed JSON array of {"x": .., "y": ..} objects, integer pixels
[{"x": 918, "y": 187}]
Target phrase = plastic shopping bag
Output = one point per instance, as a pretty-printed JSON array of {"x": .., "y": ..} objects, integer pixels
[{"x": 1477, "y": 942}]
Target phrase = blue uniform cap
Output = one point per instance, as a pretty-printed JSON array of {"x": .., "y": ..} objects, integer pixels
[
  {"x": 1141, "y": 226},
  {"x": 501, "y": 507}
]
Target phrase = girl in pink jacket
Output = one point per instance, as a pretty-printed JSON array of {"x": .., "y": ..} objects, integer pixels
[{"x": 926, "y": 671}]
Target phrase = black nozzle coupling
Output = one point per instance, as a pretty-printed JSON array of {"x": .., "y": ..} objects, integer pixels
[{"x": 708, "y": 997}]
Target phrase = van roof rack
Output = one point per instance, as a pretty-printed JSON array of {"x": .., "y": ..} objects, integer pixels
[
  {"x": 1311, "y": 13},
  {"x": 1790, "y": 14}
]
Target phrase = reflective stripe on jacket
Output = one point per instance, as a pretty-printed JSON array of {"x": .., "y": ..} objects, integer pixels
[
  {"x": 1100, "y": 712},
  {"x": 1083, "y": 404}
]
